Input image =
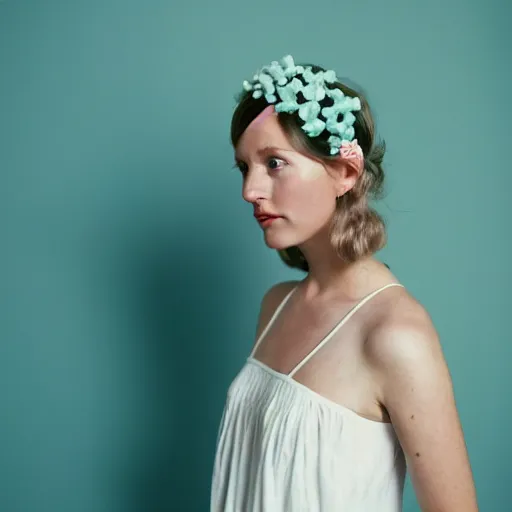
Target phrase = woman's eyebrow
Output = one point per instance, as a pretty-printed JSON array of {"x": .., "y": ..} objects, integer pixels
[{"x": 266, "y": 149}]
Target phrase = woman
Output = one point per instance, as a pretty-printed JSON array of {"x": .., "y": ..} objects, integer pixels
[{"x": 346, "y": 387}]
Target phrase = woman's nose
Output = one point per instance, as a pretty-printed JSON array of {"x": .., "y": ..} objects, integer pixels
[{"x": 255, "y": 187}]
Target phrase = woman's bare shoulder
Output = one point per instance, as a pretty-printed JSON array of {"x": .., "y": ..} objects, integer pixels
[
  {"x": 401, "y": 311},
  {"x": 270, "y": 302}
]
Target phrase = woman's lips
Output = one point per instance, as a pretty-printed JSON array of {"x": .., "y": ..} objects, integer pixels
[{"x": 266, "y": 221}]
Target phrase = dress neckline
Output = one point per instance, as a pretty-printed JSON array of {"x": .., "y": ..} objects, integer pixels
[{"x": 317, "y": 396}]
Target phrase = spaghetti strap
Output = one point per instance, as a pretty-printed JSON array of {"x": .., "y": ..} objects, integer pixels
[
  {"x": 338, "y": 326},
  {"x": 272, "y": 319}
]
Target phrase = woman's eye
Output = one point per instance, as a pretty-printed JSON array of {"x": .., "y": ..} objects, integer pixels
[
  {"x": 273, "y": 162},
  {"x": 274, "y": 159},
  {"x": 242, "y": 168}
]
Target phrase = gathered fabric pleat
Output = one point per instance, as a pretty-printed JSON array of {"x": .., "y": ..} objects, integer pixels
[{"x": 282, "y": 448}]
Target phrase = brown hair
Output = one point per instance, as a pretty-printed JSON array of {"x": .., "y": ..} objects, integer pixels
[{"x": 357, "y": 230}]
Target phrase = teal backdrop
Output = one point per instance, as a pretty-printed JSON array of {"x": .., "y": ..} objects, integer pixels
[{"x": 132, "y": 270}]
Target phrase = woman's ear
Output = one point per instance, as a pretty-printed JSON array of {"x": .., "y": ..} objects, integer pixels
[{"x": 344, "y": 173}]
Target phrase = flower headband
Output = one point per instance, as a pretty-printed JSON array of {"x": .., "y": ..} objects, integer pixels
[{"x": 279, "y": 80}]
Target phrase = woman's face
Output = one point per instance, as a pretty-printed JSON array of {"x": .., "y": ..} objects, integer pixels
[{"x": 280, "y": 181}]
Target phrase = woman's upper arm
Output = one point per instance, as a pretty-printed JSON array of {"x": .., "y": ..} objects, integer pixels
[{"x": 416, "y": 389}]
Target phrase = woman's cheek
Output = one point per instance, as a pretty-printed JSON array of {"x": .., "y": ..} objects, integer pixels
[{"x": 309, "y": 173}]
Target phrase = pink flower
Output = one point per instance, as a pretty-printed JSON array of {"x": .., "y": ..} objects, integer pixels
[{"x": 351, "y": 150}]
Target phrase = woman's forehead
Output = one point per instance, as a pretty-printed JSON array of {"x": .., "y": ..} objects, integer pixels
[{"x": 265, "y": 134}]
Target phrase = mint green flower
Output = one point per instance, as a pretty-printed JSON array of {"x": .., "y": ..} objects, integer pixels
[
  {"x": 314, "y": 127},
  {"x": 335, "y": 143},
  {"x": 267, "y": 83},
  {"x": 330, "y": 77},
  {"x": 349, "y": 133},
  {"x": 336, "y": 128},
  {"x": 288, "y": 95},
  {"x": 314, "y": 92},
  {"x": 289, "y": 67},
  {"x": 336, "y": 94},
  {"x": 308, "y": 112},
  {"x": 276, "y": 72},
  {"x": 349, "y": 118},
  {"x": 279, "y": 84}
]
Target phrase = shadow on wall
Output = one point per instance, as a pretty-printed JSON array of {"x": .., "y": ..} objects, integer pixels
[{"x": 173, "y": 281}]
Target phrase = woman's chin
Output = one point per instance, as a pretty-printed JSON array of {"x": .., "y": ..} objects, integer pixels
[
  {"x": 276, "y": 242},
  {"x": 277, "y": 247}
]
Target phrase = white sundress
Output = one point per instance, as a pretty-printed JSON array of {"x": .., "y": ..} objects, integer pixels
[{"x": 283, "y": 447}]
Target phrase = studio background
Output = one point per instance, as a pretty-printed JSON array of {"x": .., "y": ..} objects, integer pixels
[{"x": 132, "y": 269}]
